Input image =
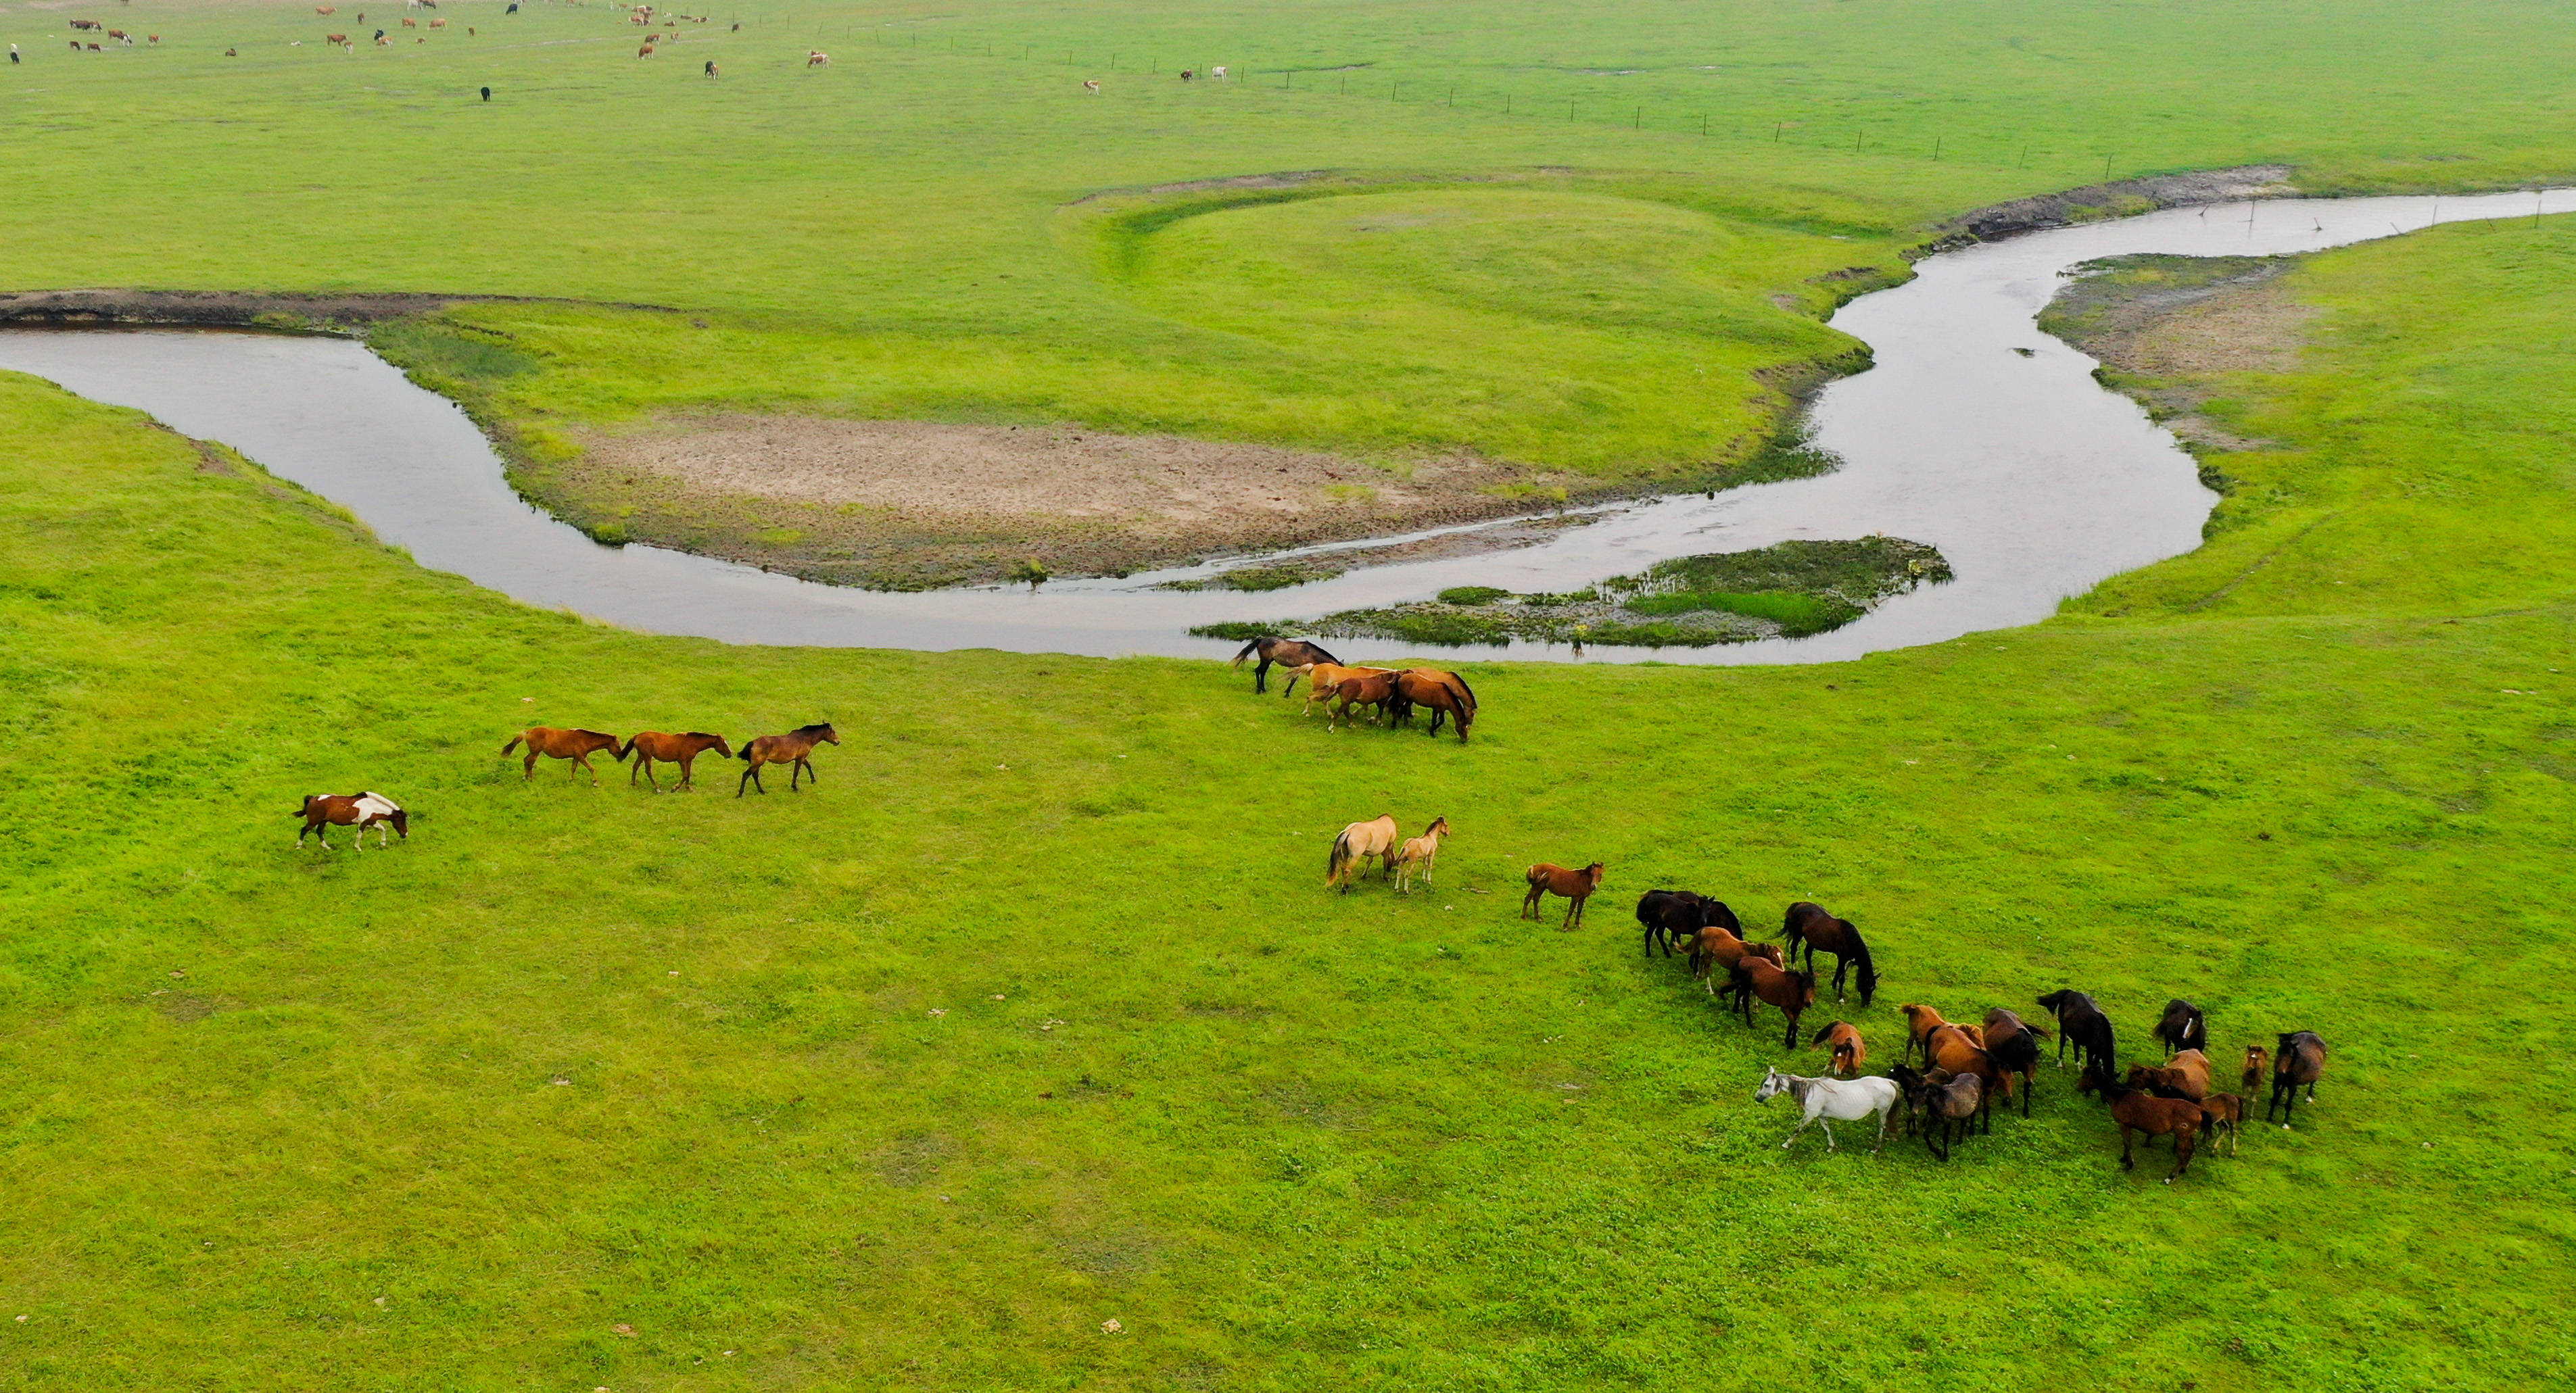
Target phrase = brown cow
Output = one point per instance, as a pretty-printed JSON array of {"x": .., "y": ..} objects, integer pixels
[{"x": 341, "y": 39}]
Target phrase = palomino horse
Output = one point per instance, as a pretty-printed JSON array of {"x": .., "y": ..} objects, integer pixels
[
  {"x": 1352, "y": 849},
  {"x": 1810, "y": 927},
  {"x": 1840, "y": 1100},
  {"x": 1286, "y": 652},
  {"x": 1547, "y": 878},
  {"x": 682, "y": 750},
  {"x": 1415, "y": 856},
  {"x": 575, "y": 745},
  {"x": 1845, "y": 1043},
  {"x": 2081, "y": 1023},
  {"x": 2301, "y": 1059},
  {"x": 1673, "y": 915},
  {"x": 1792, "y": 992},
  {"x": 2137, "y": 1110},
  {"x": 324, "y": 811},
  {"x": 2183, "y": 1027},
  {"x": 1325, "y": 681},
  {"x": 1446, "y": 693},
  {"x": 793, "y": 749}
]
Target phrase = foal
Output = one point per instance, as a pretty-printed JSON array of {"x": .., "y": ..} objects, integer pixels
[
  {"x": 1713, "y": 947},
  {"x": 1419, "y": 852},
  {"x": 1547, "y": 878},
  {"x": 1845, "y": 1042}
]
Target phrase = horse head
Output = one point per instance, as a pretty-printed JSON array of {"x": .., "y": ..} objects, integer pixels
[
  {"x": 1774, "y": 1083},
  {"x": 826, "y": 733},
  {"x": 401, "y": 822}
]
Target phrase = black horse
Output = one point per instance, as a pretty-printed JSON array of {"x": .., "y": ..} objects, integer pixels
[
  {"x": 1672, "y": 914},
  {"x": 2183, "y": 1028},
  {"x": 1808, "y": 926},
  {"x": 2081, "y": 1023},
  {"x": 1286, "y": 652}
]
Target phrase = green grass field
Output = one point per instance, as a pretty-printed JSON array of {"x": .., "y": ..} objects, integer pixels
[{"x": 1033, "y": 1016}]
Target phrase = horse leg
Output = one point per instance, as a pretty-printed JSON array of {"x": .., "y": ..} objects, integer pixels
[
  {"x": 1828, "y": 1124},
  {"x": 1790, "y": 1042},
  {"x": 529, "y": 768},
  {"x": 1801, "y": 1127},
  {"x": 688, "y": 769},
  {"x": 1841, "y": 966},
  {"x": 1261, "y": 677},
  {"x": 2126, "y": 1164}
]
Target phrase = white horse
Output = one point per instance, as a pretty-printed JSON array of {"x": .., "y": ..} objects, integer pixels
[{"x": 1846, "y": 1100}]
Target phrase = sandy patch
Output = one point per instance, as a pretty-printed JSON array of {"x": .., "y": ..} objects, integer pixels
[
  {"x": 919, "y": 502},
  {"x": 2235, "y": 328}
]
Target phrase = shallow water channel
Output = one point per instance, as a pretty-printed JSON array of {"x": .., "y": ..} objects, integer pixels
[{"x": 2034, "y": 481}]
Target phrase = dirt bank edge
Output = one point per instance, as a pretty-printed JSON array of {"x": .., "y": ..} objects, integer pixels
[{"x": 2120, "y": 198}]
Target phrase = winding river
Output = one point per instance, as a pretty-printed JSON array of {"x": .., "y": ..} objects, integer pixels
[{"x": 1975, "y": 432}]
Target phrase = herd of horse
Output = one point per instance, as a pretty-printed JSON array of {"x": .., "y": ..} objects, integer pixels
[
  {"x": 1392, "y": 693},
  {"x": 1965, "y": 1065},
  {"x": 795, "y": 749}
]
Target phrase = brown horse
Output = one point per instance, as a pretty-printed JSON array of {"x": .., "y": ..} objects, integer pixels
[
  {"x": 1792, "y": 992},
  {"x": 1954, "y": 1048},
  {"x": 1808, "y": 926},
  {"x": 575, "y": 745},
  {"x": 682, "y": 750},
  {"x": 1368, "y": 689},
  {"x": 1845, "y": 1044},
  {"x": 791, "y": 749},
  {"x": 1713, "y": 947},
  {"x": 1286, "y": 652},
  {"x": 1356, "y": 844},
  {"x": 1953, "y": 1101},
  {"x": 323, "y": 811},
  {"x": 2301, "y": 1059},
  {"x": 2137, "y": 1110},
  {"x": 1920, "y": 1021},
  {"x": 1446, "y": 693},
  {"x": 1546, "y": 879},
  {"x": 2185, "y": 1076},
  {"x": 2222, "y": 1113},
  {"x": 2252, "y": 1080}
]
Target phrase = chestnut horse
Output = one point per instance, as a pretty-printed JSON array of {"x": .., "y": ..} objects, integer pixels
[
  {"x": 322, "y": 812},
  {"x": 1792, "y": 992},
  {"x": 2185, "y": 1076},
  {"x": 1920, "y": 1021},
  {"x": 792, "y": 749},
  {"x": 575, "y": 745},
  {"x": 2137, "y": 1110},
  {"x": 1956, "y": 1049},
  {"x": 1324, "y": 682},
  {"x": 1547, "y": 879},
  {"x": 1810, "y": 927},
  {"x": 1286, "y": 652},
  {"x": 1713, "y": 947},
  {"x": 1847, "y": 1050},
  {"x": 2301, "y": 1059},
  {"x": 1367, "y": 689},
  {"x": 682, "y": 750},
  {"x": 2222, "y": 1113},
  {"x": 1446, "y": 693}
]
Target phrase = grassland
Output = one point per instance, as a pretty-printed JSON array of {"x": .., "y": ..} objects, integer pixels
[{"x": 1032, "y": 1016}]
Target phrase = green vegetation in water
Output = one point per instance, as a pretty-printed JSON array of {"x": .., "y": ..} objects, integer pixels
[
  {"x": 1791, "y": 590},
  {"x": 1280, "y": 576},
  {"x": 717, "y": 1072}
]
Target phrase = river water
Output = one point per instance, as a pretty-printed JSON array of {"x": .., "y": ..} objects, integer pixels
[{"x": 2034, "y": 481}]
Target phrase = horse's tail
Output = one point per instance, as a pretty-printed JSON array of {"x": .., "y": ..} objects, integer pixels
[
  {"x": 1340, "y": 857},
  {"x": 745, "y": 755},
  {"x": 1248, "y": 650},
  {"x": 1819, "y": 1036},
  {"x": 309, "y": 800},
  {"x": 514, "y": 743},
  {"x": 1867, "y": 970}
]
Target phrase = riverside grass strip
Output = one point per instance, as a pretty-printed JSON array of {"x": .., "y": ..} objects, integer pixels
[{"x": 791, "y": 1090}]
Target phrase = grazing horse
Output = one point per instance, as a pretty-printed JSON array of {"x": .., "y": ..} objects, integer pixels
[
  {"x": 324, "y": 811},
  {"x": 2137, "y": 1110},
  {"x": 2014, "y": 1043},
  {"x": 1952, "y": 1048},
  {"x": 1829, "y": 1101},
  {"x": 1547, "y": 879},
  {"x": 1810, "y": 927},
  {"x": 794, "y": 749},
  {"x": 1844, "y": 1041},
  {"x": 2186, "y": 1076},
  {"x": 817, "y": 58},
  {"x": 2252, "y": 1079},
  {"x": 1091, "y": 85},
  {"x": 1352, "y": 849},
  {"x": 1369, "y": 689},
  {"x": 1713, "y": 947},
  {"x": 573, "y": 744},
  {"x": 1952, "y": 1101},
  {"x": 1416, "y": 855},
  {"x": 1446, "y": 693},
  {"x": 1671, "y": 915},
  {"x": 2183, "y": 1027},
  {"x": 1920, "y": 1021},
  {"x": 1792, "y": 992},
  {"x": 2222, "y": 1113},
  {"x": 2301, "y": 1059},
  {"x": 2081, "y": 1023},
  {"x": 682, "y": 750},
  {"x": 1324, "y": 681}
]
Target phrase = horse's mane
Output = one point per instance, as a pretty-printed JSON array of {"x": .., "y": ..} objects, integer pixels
[
  {"x": 808, "y": 730},
  {"x": 701, "y": 735}
]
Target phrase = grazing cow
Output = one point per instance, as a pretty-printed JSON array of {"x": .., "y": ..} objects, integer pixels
[
  {"x": 232, "y": 53},
  {"x": 93, "y": 48},
  {"x": 487, "y": 94},
  {"x": 2080, "y": 1023},
  {"x": 1091, "y": 85},
  {"x": 646, "y": 51},
  {"x": 116, "y": 33},
  {"x": 326, "y": 9},
  {"x": 341, "y": 39},
  {"x": 1576, "y": 886},
  {"x": 711, "y": 67},
  {"x": 817, "y": 58},
  {"x": 152, "y": 38},
  {"x": 1217, "y": 73},
  {"x": 410, "y": 23},
  {"x": 438, "y": 24},
  {"x": 1187, "y": 75},
  {"x": 321, "y": 812},
  {"x": 87, "y": 24},
  {"x": 76, "y": 48},
  {"x": 2183, "y": 1027}
]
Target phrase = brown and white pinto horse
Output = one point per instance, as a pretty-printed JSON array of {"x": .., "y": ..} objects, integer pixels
[
  {"x": 682, "y": 750},
  {"x": 324, "y": 811},
  {"x": 789, "y": 749},
  {"x": 573, "y": 744}
]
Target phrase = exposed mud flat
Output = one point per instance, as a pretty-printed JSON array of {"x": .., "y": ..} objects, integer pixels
[
  {"x": 2122, "y": 198},
  {"x": 905, "y": 504},
  {"x": 2167, "y": 329}
]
